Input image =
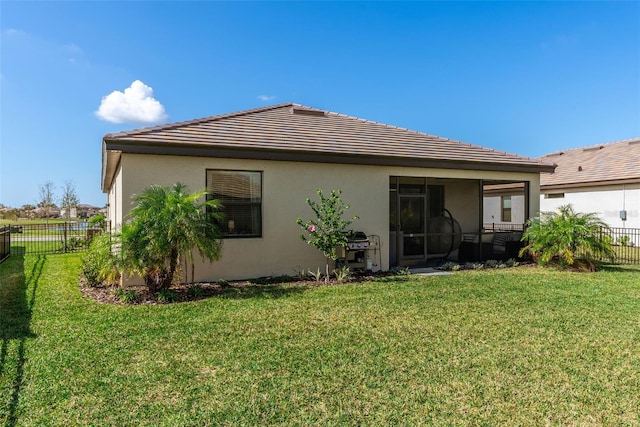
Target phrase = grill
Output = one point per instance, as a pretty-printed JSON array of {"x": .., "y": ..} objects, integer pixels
[{"x": 358, "y": 241}]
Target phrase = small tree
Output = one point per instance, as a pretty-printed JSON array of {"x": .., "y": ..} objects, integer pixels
[
  {"x": 328, "y": 231},
  {"x": 69, "y": 198},
  {"x": 46, "y": 200},
  {"x": 567, "y": 238},
  {"x": 165, "y": 224}
]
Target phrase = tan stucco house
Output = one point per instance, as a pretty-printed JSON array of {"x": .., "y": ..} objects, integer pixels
[{"x": 263, "y": 164}]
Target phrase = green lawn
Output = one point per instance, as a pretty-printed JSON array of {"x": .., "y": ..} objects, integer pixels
[{"x": 521, "y": 346}]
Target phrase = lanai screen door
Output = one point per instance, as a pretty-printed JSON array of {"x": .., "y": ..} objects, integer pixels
[{"x": 411, "y": 204}]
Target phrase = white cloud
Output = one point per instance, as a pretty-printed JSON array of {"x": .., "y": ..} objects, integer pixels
[
  {"x": 13, "y": 32},
  {"x": 266, "y": 97},
  {"x": 47, "y": 52},
  {"x": 135, "y": 105}
]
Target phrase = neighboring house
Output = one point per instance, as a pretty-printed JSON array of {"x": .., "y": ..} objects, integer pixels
[
  {"x": 73, "y": 212},
  {"x": 52, "y": 212},
  {"x": 604, "y": 179},
  {"x": 264, "y": 163},
  {"x": 84, "y": 210},
  {"x": 504, "y": 206}
]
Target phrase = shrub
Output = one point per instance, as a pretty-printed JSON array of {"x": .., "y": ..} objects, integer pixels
[
  {"x": 450, "y": 266},
  {"x": 127, "y": 296},
  {"x": 98, "y": 220},
  {"x": 568, "y": 239},
  {"x": 624, "y": 241},
  {"x": 400, "y": 271},
  {"x": 342, "y": 273},
  {"x": 195, "y": 291},
  {"x": 166, "y": 296},
  {"x": 100, "y": 263},
  {"x": 299, "y": 274},
  {"x": 491, "y": 263},
  {"x": 511, "y": 262},
  {"x": 317, "y": 276}
]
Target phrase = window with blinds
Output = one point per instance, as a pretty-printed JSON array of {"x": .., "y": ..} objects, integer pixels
[{"x": 240, "y": 193}]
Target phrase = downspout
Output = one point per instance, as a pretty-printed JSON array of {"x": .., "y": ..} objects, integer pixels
[
  {"x": 527, "y": 204},
  {"x": 480, "y": 214},
  {"x": 480, "y": 204},
  {"x": 624, "y": 205}
]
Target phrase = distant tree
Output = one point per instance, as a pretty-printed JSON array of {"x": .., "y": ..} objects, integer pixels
[
  {"x": 69, "y": 198},
  {"x": 27, "y": 211},
  {"x": 10, "y": 214},
  {"x": 46, "y": 199}
]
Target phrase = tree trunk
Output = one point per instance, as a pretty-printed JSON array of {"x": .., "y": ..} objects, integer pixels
[
  {"x": 186, "y": 275},
  {"x": 326, "y": 276},
  {"x": 150, "y": 282},
  {"x": 158, "y": 279},
  {"x": 173, "y": 264}
]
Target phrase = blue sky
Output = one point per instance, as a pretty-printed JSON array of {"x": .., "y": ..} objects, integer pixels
[{"x": 524, "y": 77}]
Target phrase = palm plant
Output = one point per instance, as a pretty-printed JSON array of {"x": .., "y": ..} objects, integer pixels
[
  {"x": 165, "y": 224},
  {"x": 567, "y": 237}
]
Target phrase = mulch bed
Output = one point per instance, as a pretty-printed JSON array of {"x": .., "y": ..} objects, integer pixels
[{"x": 184, "y": 292}]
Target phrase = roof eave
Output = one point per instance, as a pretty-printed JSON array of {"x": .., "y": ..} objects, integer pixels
[
  {"x": 135, "y": 147},
  {"x": 570, "y": 185},
  {"x": 110, "y": 162}
]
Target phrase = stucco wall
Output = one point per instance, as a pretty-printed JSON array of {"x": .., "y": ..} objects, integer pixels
[
  {"x": 492, "y": 210},
  {"x": 286, "y": 185},
  {"x": 606, "y": 201},
  {"x": 461, "y": 199}
]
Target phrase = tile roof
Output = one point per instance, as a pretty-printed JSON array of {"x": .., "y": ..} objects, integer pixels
[
  {"x": 296, "y": 132},
  {"x": 597, "y": 164}
]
